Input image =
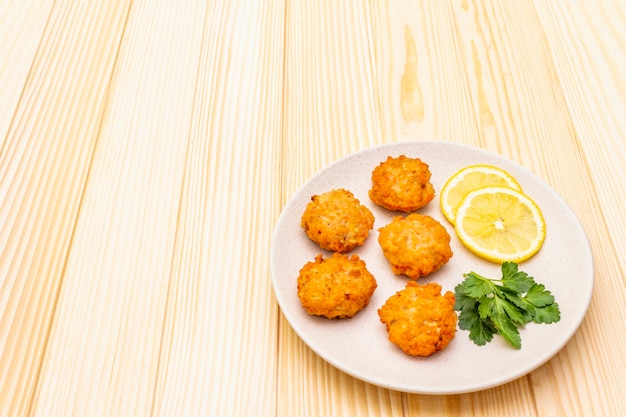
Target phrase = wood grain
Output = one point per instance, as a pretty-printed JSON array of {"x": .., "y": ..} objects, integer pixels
[
  {"x": 147, "y": 148},
  {"x": 44, "y": 164},
  {"x": 21, "y": 28}
]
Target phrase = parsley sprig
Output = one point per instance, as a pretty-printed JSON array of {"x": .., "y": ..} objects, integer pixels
[{"x": 489, "y": 306}]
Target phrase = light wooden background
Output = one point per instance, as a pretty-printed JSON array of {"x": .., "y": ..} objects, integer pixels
[{"x": 147, "y": 148}]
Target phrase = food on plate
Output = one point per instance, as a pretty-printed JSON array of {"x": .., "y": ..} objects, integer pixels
[
  {"x": 469, "y": 179},
  {"x": 401, "y": 184},
  {"x": 337, "y": 221},
  {"x": 336, "y": 287},
  {"x": 489, "y": 306},
  {"x": 500, "y": 224},
  {"x": 415, "y": 245},
  {"x": 420, "y": 320}
]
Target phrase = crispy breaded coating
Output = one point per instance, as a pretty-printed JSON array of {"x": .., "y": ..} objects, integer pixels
[
  {"x": 401, "y": 184},
  {"x": 419, "y": 320},
  {"x": 415, "y": 245},
  {"x": 335, "y": 287},
  {"x": 337, "y": 221}
]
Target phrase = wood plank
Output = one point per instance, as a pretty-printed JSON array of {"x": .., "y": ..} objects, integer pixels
[
  {"x": 22, "y": 24},
  {"x": 188, "y": 216},
  {"x": 219, "y": 346},
  {"x": 586, "y": 39},
  {"x": 111, "y": 307},
  {"x": 44, "y": 165}
]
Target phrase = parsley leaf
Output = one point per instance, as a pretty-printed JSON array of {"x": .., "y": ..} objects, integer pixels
[
  {"x": 488, "y": 306},
  {"x": 538, "y": 296},
  {"x": 481, "y": 331},
  {"x": 508, "y": 330},
  {"x": 516, "y": 280},
  {"x": 476, "y": 287},
  {"x": 548, "y": 314},
  {"x": 465, "y": 303}
]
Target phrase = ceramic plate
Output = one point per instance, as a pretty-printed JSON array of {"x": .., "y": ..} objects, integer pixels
[{"x": 359, "y": 346}]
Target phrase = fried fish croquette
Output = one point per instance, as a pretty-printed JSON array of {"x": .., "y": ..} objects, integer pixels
[
  {"x": 401, "y": 184},
  {"x": 335, "y": 287},
  {"x": 337, "y": 221},
  {"x": 415, "y": 245},
  {"x": 420, "y": 320}
]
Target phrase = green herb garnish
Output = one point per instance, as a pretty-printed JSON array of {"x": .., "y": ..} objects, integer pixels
[{"x": 489, "y": 306}]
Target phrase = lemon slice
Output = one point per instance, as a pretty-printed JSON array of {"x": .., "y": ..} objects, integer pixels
[
  {"x": 500, "y": 224},
  {"x": 468, "y": 179}
]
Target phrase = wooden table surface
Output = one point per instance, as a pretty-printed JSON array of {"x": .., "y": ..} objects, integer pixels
[{"x": 147, "y": 148}]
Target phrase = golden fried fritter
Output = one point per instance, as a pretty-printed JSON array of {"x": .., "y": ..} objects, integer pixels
[
  {"x": 401, "y": 184},
  {"x": 419, "y": 320},
  {"x": 415, "y": 245},
  {"x": 337, "y": 221},
  {"x": 335, "y": 287}
]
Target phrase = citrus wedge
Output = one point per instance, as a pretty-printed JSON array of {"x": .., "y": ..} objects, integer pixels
[
  {"x": 500, "y": 224},
  {"x": 468, "y": 179}
]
